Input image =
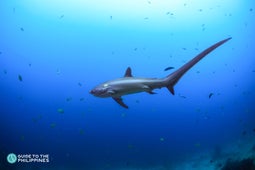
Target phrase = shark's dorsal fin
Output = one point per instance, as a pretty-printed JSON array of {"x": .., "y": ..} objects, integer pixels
[{"x": 128, "y": 72}]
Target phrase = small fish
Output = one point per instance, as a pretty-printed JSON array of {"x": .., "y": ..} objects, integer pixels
[
  {"x": 62, "y": 16},
  {"x": 0, "y": 52},
  {"x": 79, "y": 84},
  {"x": 5, "y": 71},
  {"x": 22, "y": 137},
  {"x": 197, "y": 144},
  {"x": 111, "y": 17},
  {"x": 82, "y": 99},
  {"x": 169, "y": 13},
  {"x": 210, "y": 95},
  {"x": 68, "y": 99},
  {"x": 184, "y": 97},
  {"x": 168, "y": 68},
  {"x": 52, "y": 125},
  {"x": 34, "y": 120},
  {"x": 184, "y": 48},
  {"x": 81, "y": 131},
  {"x": 58, "y": 72},
  {"x": 21, "y": 29},
  {"x": 251, "y": 9},
  {"x": 61, "y": 110},
  {"x": 20, "y": 78}
]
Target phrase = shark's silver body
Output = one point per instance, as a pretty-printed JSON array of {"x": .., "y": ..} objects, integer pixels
[{"x": 129, "y": 84}]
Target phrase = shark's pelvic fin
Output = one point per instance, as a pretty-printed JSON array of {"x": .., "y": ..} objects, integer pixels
[{"x": 171, "y": 89}]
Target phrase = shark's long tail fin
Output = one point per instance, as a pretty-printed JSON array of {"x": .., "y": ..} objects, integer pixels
[{"x": 174, "y": 77}]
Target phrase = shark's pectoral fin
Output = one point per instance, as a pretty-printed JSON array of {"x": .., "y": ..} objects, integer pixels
[{"x": 120, "y": 102}]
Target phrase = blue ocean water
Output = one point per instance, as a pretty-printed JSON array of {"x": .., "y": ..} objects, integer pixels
[{"x": 52, "y": 53}]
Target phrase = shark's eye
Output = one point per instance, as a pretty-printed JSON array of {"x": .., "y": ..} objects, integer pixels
[{"x": 105, "y": 85}]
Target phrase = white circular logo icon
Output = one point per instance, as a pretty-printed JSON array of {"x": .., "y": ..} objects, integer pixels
[{"x": 11, "y": 158}]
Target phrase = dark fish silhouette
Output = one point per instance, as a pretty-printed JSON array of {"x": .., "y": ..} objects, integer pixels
[
  {"x": 20, "y": 78},
  {"x": 168, "y": 68},
  {"x": 210, "y": 95}
]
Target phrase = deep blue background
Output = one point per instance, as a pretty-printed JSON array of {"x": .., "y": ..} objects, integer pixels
[{"x": 62, "y": 52}]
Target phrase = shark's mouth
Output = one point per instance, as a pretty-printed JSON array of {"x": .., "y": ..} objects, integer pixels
[{"x": 98, "y": 91}]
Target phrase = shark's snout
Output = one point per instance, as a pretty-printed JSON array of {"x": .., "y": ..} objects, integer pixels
[
  {"x": 92, "y": 91},
  {"x": 98, "y": 92}
]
